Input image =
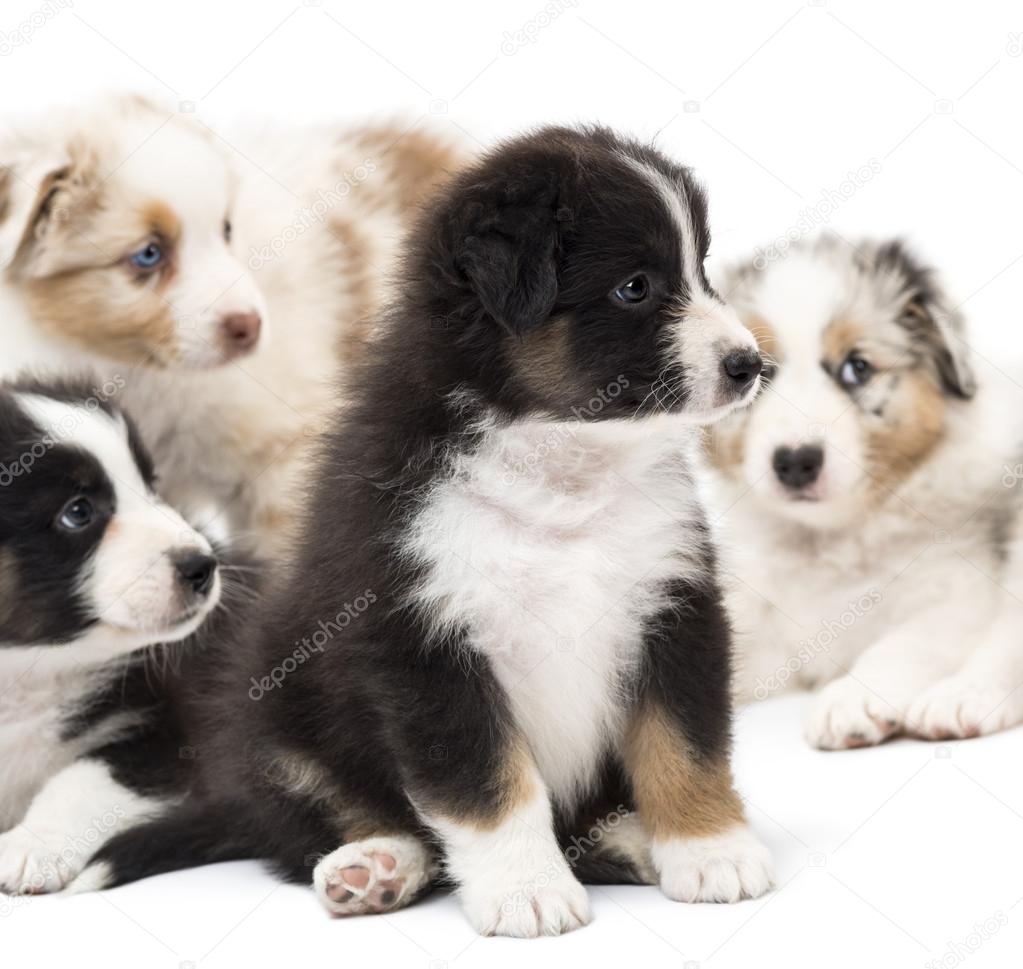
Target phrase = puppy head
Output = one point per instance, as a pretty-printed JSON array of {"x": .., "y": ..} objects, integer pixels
[
  {"x": 116, "y": 231},
  {"x": 864, "y": 357},
  {"x": 568, "y": 268},
  {"x": 89, "y": 555}
]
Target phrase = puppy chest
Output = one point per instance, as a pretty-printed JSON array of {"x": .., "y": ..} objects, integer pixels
[{"x": 553, "y": 575}]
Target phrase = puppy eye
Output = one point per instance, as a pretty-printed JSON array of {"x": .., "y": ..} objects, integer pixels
[
  {"x": 77, "y": 514},
  {"x": 634, "y": 291},
  {"x": 227, "y": 230},
  {"x": 855, "y": 371},
  {"x": 148, "y": 257}
]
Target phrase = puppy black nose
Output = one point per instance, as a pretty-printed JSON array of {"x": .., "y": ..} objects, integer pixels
[
  {"x": 742, "y": 367},
  {"x": 196, "y": 571},
  {"x": 799, "y": 467}
]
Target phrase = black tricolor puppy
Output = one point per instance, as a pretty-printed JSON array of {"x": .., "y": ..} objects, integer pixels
[
  {"x": 94, "y": 567},
  {"x": 533, "y": 640}
]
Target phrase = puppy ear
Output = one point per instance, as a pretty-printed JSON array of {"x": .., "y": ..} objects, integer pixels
[
  {"x": 509, "y": 251},
  {"x": 941, "y": 330},
  {"x": 37, "y": 192}
]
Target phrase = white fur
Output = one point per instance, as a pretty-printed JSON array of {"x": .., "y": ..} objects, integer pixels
[
  {"x": 131, "y": 586},
  {"x": 555, "y": 570},
  {"x": 885, "y": 602},
  {"x": 231, "y": 434},
  {"x": 397, "y": 863},
  {"x": 75, "y": 813},
  {"x": 513, "y": 879},
  {"x": 715, "y": 868}
]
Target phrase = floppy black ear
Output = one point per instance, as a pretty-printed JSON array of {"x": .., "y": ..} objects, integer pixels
[{"x": 509, "y": 252}]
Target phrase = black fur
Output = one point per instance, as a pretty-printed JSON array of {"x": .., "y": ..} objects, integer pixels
[{"x": 543, "y": 230}]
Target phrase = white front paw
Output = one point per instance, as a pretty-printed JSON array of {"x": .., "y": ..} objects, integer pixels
[
  {"x": 714, "y": 868},
  {"x": 31, "y": 864},
  {"x": 958, "y": 706},
  {"x": 549, "y": 901},
  {"x": 846, "y": 713}
]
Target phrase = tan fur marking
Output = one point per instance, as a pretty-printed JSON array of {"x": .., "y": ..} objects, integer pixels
[
  {"x": 839, "y": 338},
  {"x": 914, "y": 423},
  {"x": 358, "y": 278},
  {"x": 542, "y": 359},
  {"x": 8, "y": 587},
  {"x": 103, "y": 315},
  {"x": 514, "y": 786},
  {"x": 5, "y": 192},
  {"x": 765, "y": 335},
  {"x": 677, "y": 794},
  {"x": 162, "y": 220},
  {"x": 416, "y": 162}
]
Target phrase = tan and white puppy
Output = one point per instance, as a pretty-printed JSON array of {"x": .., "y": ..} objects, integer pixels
[
  {"x": 225, "y": 281},
  {"x": 862, "y": 505}
]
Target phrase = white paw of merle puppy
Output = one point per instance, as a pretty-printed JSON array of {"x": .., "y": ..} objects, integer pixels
[
  {"x": 32, "y": 864},
  {"x": 846, "y": 713},
  {"x": 715, "y": 868},
  {"x": 373, "y": 876}
]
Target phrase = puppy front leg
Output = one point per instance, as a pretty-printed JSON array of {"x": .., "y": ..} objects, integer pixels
[
  {"x": 76, "y": 812},
  {"x": 474, "y": 782},
  {"x": 677, "y": 759}
]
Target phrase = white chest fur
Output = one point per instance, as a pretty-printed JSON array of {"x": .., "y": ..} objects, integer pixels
[
  {"x": 33, "y": 690},
  {"x": 551, "y": 544}
]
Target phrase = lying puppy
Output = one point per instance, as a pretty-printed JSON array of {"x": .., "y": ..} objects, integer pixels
[
  {"x": 533, "y": 636},
  {"x": 224, "y": 288},
  {"x": 93, "y": 567},
  {"x": 864, "y": 502}
]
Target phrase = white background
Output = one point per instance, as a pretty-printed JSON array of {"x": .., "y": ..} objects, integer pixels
[{"x": 886, "y": 857}]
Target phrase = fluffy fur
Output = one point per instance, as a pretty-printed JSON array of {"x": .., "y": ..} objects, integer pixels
[
  {"x": 93, "y": 568},
  {"x": 864, "y": 506},
  {"x": 533, "y": 641},
  {"x": 269, "y": 253}
]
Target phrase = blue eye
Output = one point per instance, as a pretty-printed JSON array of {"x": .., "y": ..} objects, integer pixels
[
  {"x": 855, "y": 371},
  {"x": 148, "y": 257}
]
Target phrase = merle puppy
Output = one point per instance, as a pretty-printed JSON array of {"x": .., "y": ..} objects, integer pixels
[{"x": 504, "y": 627}]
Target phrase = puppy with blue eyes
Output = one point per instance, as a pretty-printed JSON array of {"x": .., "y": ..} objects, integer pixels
[
  {"x": 93, "y": 568},
  {"x": 542, "y": 641},
  {"x": 866, "y": 521},
  {"x": 227, "y": 288}
]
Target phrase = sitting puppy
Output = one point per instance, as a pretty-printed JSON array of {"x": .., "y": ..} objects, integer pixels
[
  {"x": 93, "y": 567},
  {"x": 865, "y": 516},
  {"x": 224, "y": 288},
  {"x": 533, "y": 634}
]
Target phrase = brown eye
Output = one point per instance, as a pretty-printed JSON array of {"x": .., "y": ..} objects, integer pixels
[{"x": 634, "y": 291}]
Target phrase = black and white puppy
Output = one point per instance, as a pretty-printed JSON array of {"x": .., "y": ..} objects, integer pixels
[
  {"x": 93, "y": 567},
  {"x": 508, "y": 571}
]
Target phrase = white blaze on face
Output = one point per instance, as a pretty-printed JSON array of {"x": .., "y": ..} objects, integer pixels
[
  {"x": 132, "y": 583},
  {"x": 193, "y": 180},
  {"x": 708, "y": 330}
]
